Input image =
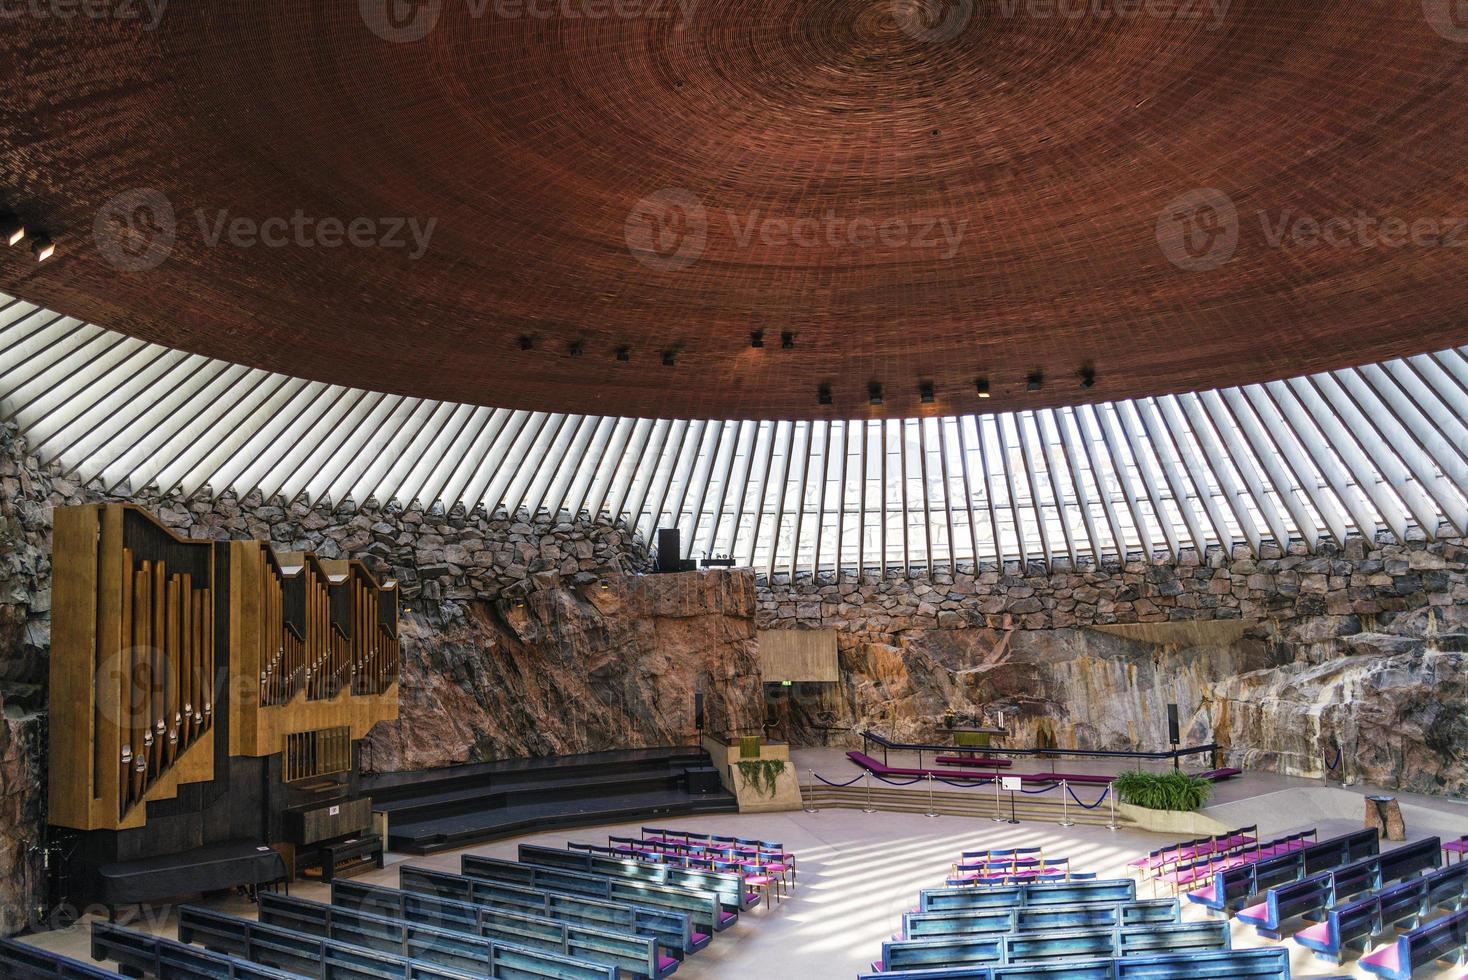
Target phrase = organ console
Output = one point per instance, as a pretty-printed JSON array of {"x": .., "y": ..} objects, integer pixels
[{"x": 203, "y": 693}]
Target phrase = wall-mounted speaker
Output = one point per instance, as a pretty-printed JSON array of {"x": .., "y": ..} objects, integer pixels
[
  {"x": 670, "y": 549},
  {"x": 698, "y": 718},
  {"x": 1173, "y": 734}
]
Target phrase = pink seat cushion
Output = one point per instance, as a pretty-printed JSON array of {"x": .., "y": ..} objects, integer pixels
[
  {"x": 664, "y": 962},
  {"x": 699, "y": 938},
  {"x": 1320, "y": 933},
  {"x": 1206, "y": 894},
  {"x": 1255, "y": 913},
  {"x": 726, "y": 916},
  {"x": 1387, "y": 957}
]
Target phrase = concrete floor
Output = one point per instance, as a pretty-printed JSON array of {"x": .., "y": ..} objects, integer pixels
[{"x": 859, "y": 872}]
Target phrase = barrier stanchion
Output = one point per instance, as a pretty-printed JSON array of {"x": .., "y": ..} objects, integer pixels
[
  {"x": 998, "y": 813},
  {"x": 1065, "y": 820},
  {"x": 932, "y": 812},
  {"x": 811, "y": 806},
  {"x": 1111, "y": 787},
  {"x": 869, "y": 808}
]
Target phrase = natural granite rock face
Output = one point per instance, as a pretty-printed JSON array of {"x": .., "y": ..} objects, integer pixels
[{"x": 613, "y": 664}]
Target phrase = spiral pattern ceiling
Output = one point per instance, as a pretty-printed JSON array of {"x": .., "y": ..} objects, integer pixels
[
  {"x": 389, "y": 195},
  {"x": 1378, "y": 449}
]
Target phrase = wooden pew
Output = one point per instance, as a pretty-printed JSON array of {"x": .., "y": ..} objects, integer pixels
[
  {"x": 1354, "y": 923},
  {"x": 922, "y": 925},
  {"x": 1445, "y": 938},
  {"x": 1065, "y": 944},
  {"x": 1234, "y": 964},
  {"x": 731, "y": 889},
  {"x": 19, "y": 961},
  {"x": 704, "y": 908},
  {"x": 1231, "y": 886},
  {"x": 673, "y": 929},
  {"x": 143, "y": 954},
  {"x": 1038, "y": 893},
  {"x": 634, "y": 954},
  {"x": 300, "y": 953}
]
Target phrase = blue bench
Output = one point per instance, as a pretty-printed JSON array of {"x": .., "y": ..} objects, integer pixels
[
  {"x": 924, "y": 925},
  {"x": 674, "y": 930},
  {"x": 296, "y": 952},
  {"x": 705, "y": 909},
  {"x": 141, "y": 954},
  {"x": 1231, "y": 885},
  {"x": 1310, "y": 896},
  {"x": 20, "y": 961},
  {"x": 1038, "y": 893},
  {"x": 1441, "y": 939},
  {"x": 638, "y": 953},
  {"x": 1352, "y": 924},
  {"x": 729, "y": 885},
  {"x": 1232, "y": 964},
  {"x": 910, "y": 954},
  {"x": 634, "y": 954}
]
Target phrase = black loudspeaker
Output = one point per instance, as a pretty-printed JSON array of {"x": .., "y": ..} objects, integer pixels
[
  {"x": 670, "y": 550},
  {"x": 1173, "y": 735},
  {"x": 698, "y": 721},
  {"x": 704, "y": 779}
]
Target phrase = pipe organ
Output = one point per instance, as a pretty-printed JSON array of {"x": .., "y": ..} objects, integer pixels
[{"x": 189, "y": 675}]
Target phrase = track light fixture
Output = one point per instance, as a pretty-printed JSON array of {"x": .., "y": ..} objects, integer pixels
[
  {"x": 874, "y": 393},
  {"x": 925, "y": 393},
  {"x": 42, "y": 246},
  {"x": 12, "y": 229},
  {"x": 624, "y": 353},
  {"x": 1035, "y": 381},
  {"x": 787, "y": 340},
  {"x": 982, "y": 387},
  {"x": 823, "y": 394},
  {"x": 527, "y": 342},
  {"x": 669, "y": 358},
  {"x": 575, "y": 348},
  {"x": 1088, "y": 376},
  {"x": 756, "y": 338}
]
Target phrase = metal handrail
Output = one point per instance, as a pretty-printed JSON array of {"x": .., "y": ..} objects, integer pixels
[{"x": 868, "y": 737}]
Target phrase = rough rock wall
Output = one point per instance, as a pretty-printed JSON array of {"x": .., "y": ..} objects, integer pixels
[{"x": 1290, "y": 661}]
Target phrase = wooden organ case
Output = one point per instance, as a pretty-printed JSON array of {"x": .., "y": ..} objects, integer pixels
[{"x": 205, "y": 696}]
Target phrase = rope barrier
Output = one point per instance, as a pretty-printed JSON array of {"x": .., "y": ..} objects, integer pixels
[
  {"x": 837, "y": 785},
  {"x": 892, "y": 782},
  {"x": 1034, "y": 792},
  {"x": 965, "y": 785},
  {"x": 1089, "y": 806},
  {"x": 1330, "y": 766}
]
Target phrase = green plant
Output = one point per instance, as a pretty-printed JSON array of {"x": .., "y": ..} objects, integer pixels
[
  {"x": 761, "y": 774},
  {"x": 1167, "y": 791}
]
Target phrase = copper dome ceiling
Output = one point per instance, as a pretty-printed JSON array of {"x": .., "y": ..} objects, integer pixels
[{"x": 1182, "y": 193}]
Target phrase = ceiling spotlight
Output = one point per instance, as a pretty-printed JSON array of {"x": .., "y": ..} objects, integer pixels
[
  {"x": 42, "y": 247},
  {"x": 874, "y": 393},
  {"x": 575, "y": 348},
  {"x": 12, "y": 230},
  {"x": 624, "y": 353},
  {"x": 823, "y": 394},
  {"x": 982, "y": 387},
  {"x": 1088, "y": 377},
  {"x": 925, "y": 393},
  {"x": 669, "y": 358},
  {"x": 757, "y": 338},
  {"x": 787, "y": 340},
  {"x": 1035, "y": 381},
  {"x": 527, "y": 342}
]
